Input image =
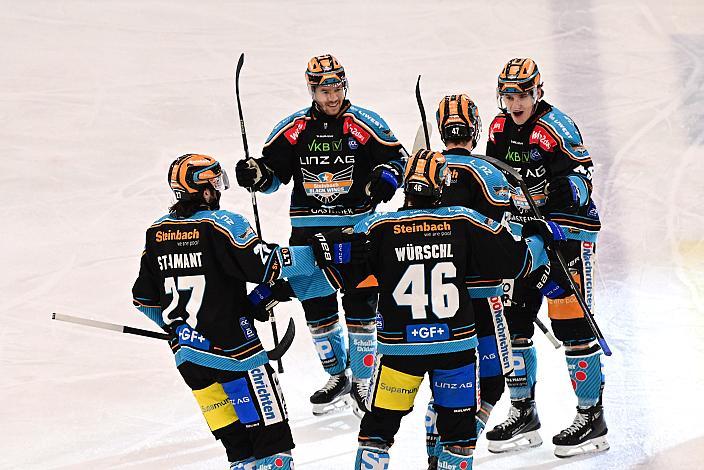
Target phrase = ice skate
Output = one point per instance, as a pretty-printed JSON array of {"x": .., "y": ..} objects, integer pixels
[
  {"x": 519, "y": 431},
  {"x": 359, "y": 393},
  {"x": 334, "y": 395},
  {"x": 586, "y": 435}
]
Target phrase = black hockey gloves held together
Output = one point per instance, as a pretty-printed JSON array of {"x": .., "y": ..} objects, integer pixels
[
  {"x": 266, "y": 295},
  {"x": 563, "y": 195},
  {"x": 339, "y": 246},
  {"x": 253, "y": 175},
  {"x": 383, "y": 181}
]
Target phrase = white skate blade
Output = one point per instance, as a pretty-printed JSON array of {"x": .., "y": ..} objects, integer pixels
[
  {"x": 516, "y": 444},
  {"x": 335, "y": 406},
  {"x": 598, "y": 444}
]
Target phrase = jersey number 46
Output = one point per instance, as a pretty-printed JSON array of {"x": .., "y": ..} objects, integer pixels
[{"x": 444, "y": 299}]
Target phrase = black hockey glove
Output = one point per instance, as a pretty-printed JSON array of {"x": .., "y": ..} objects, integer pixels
[
  {"x": 383, "y": 181},
  {"x": 253, "y": 175},
  {"x": 266, "y": 295},
  {"x": 340, "y": 246},
  {"x": 549, "y": 231},
  {"x": 551, "y": 283},
  {"x": 562, "y": 195}
]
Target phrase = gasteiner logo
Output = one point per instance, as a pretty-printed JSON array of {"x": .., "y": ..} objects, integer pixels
[
  {"x": 294, "y": 132},
  {"x": 543, "y": 139}
]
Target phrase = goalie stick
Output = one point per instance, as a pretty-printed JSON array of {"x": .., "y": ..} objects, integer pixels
[
  {"x": 255, "y": 208},
  {"x": 274, "y": 354}
]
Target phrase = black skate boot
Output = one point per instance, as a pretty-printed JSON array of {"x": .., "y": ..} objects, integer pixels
[
  {"x": 586, "y": 435},
  {"x": 333, "y": 396},
  {"x": 519, "y": 431},
  {"x": 359, "y": 392}
]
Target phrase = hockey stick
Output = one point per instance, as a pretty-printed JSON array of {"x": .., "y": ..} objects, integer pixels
[
  {"x": 274, "y": 355},
  {"x": 255, "y": 208},
  {"x": 547, "y": 333},
  {"x": 558, "y": 254},
  {"x": 421, "y": 108}
]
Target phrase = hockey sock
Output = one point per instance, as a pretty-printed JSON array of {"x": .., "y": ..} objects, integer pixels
[
  {"x": 454, "y": 457},
  {"x": 522, "y": 380},
  {"x": 431, "y": 431},
  {"x": 281, "y": 461},
  {"x": 370, "y": 457},
  {"x": 247, "y": 464},
  {"x": 330, "y": 345},
  {"x": 483, "y": 416},
  {"x": 362, "y": 348},
  {"x": 584, "y": 367}
]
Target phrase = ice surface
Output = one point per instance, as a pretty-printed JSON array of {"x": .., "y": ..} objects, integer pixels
[{"x": 99, "y": 97}]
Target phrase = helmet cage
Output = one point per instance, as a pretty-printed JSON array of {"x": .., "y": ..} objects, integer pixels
[
  {"x": 518, "y": 76},
  {"x": 190, "y": 174},
  {"x": 325, "y": 70}
]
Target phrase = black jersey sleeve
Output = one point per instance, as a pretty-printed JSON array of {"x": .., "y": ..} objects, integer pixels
[
  {"x": 146, "y": 291},
  {"x": 494, "y": 253}
]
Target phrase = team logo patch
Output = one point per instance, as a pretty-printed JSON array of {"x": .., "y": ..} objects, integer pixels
[
  {"x": 247, "y": 329},
  {"x": 327, "y": 186},
  {"x": 379, "y": 321}
]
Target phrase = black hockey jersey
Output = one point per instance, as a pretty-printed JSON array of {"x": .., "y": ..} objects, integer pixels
[
  {"x": 329, "y": 159},
  {"x": 195, "y": 269},
  {"x": 421, "y": 259},
  {"x": 477, "y": 184},
  {"x": 547, "y": 146}
]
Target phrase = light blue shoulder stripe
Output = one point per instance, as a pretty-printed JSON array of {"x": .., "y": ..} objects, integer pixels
[
  {"x": 285, "y": 122},
  {"x": 441, "y": 212},
  {"x": 492, "y": 178},
  {"x": 565, "y": 129},
  {"x": 375, "y": 122},
  {"x": 236, "y": 225}
]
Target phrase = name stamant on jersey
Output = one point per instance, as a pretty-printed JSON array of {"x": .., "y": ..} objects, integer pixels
[
  {"x": 421, "y": 252},
  {"x": 180, "y": 261}
]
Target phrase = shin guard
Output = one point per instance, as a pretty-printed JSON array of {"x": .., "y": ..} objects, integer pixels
[
  {"x": 455, "y": 458},
  {"x": 330, "y": 345},
  {"x": 431, "y": 431},
  {"x": 248, "y": 464},
  {"x": 371, "y": 458},
  {"x": 281, "y": 461},
  {"x": 522, "y": 380},
  {"x": 585, "y": 369},
  {"x": 362, "y": 349}
]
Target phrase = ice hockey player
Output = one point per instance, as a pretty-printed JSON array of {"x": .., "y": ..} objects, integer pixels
[
  {"x": 421, "y": 257},
  {"x": 478, "y": 185},
  {"x": 193, "y": 271},
  {"x": 343, "y": 160},
  {"x": 545, "y": 146}
]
